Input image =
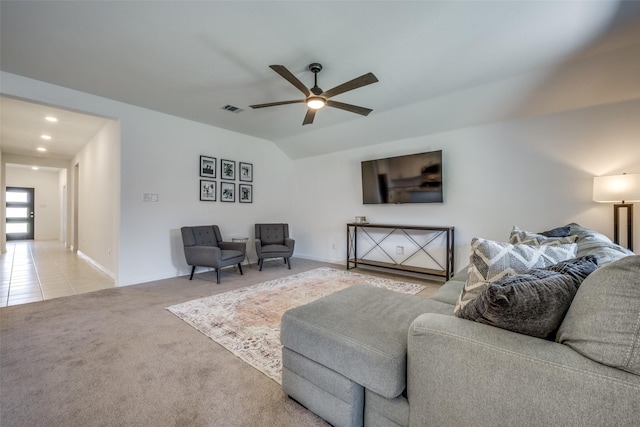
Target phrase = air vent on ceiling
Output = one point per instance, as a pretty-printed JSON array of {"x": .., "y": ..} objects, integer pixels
[{"x": 232, "y": 108}]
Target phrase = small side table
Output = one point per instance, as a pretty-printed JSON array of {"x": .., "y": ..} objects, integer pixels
[{"x": 243, "y": 240}]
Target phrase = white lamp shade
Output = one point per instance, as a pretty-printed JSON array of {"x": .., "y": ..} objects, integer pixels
[{"x": 616, "y": 188}]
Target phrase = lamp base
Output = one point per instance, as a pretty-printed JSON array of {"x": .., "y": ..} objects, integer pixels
[{"x": 616, "y": 224}]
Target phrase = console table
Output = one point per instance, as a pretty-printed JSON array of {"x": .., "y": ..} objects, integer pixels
[{"x": 429, "y": 249}]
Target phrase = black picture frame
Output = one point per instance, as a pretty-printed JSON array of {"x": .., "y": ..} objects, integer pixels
[
  {"x": 228, "y": 169},
  {"x": 207, "y": 190},
  {"x": 208, "y": 167},
  {"x": 245, "y": 172},
  {"x": 227, "y": 192},
  {"x": 245, "y": 192}
]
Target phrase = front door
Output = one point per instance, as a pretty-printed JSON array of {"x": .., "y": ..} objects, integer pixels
[{"x": 20, "y": 203}]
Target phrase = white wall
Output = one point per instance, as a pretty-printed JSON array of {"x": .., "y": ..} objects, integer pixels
[
  {"x": 532, "y": 167},
  {"x": 536, "y": 173},
  {"x": 98, "y": 164},
  {"x": 47, "y": 200},
  {"x": 62, "y": 192},
  {"x": 160, "y": 155}
]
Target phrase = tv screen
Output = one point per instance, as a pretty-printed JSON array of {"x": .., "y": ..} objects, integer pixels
[{"x": 415, "y": 178}]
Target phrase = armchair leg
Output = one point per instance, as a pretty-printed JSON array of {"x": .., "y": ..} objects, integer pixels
[
  {"x": 260, "y": 264},
  {"x": 288, "y": 262},
  {"x": 192, "y": 271},
  {"x": 218, "y": 275},
  {"x": 240, "y": 268}
]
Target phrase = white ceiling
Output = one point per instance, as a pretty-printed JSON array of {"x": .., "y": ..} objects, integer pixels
[
  {"x": 22, "y": 125},
  {"x": 190, "y": 59}
]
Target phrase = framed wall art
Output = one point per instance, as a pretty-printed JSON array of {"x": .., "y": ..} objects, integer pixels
[
  {"x": 246, "y": 193},
  {"x": 227, "y": 192},
  {"x": 207, "y": 167},
  {"x": 246, "y": 172},
  {"x": 228, "y": 169},
  {"x": 207, "y": 190}
]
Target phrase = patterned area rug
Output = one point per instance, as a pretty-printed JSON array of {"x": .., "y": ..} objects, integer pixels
[{"x": 247, "y": 321}]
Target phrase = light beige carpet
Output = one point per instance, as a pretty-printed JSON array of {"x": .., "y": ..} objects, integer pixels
[{"x": 247, "y": 321}]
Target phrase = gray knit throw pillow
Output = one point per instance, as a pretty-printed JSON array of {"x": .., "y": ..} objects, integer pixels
[{"x": 533, "y": 303}]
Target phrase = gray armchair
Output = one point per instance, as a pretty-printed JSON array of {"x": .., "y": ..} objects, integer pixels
[
  {"x": 273, "y": 241},
  {"x": 203, "y": 247}
]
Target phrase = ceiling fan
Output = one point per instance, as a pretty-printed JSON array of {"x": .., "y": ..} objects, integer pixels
[{"x": 316, "y": 98}]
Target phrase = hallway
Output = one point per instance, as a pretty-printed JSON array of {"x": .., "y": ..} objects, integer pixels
[{"x": 33, "y": 271}]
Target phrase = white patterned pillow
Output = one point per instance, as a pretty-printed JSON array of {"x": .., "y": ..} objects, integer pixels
[
  {"x": 490, "y": 261},
  {"x": 521, "y": 237}
]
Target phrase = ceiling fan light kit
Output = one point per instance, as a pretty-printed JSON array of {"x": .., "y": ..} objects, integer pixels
[
  {"x": 316, "y": 102},
  {"x": 316, "y": 98}
]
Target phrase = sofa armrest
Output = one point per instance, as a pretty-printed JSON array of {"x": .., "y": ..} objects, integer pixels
[{"x": 465, "y": 373}]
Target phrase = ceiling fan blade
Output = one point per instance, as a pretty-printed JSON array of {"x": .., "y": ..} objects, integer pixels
[
  {"x": 273, "y": 104},
  {"x": 365, "y": 79},
  {"x": 287, "y": 75},
  {"x": 308, "y": 118},
  {"x": 349, "y": 107}
]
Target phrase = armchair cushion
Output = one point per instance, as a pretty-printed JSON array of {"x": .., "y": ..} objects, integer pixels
[
  {"x": 268, "y": 250},
  {"x": 204, "y": 235},
  {"x": 273, "y": 234}
]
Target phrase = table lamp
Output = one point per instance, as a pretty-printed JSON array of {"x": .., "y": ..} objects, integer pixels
[{"x": 619, "y": 189}]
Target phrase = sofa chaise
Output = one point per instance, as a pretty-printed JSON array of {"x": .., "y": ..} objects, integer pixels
[{"x": 373, "y": 357}]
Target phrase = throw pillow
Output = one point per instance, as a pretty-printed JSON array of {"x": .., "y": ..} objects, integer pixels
[
  {"x": 490, "y": 261},
  {"x": 521, "y": 237},
  {"x": 593, "y": 243},
  {"x": 603, "y": 322},
  {"x": 533, "y": 303},
  {"x": 557, "y": 232}
]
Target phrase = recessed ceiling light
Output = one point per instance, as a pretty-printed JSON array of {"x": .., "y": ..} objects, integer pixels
[
  {"x": 51, "y": 119},
  {"x": 47, "y": 137},
  {"x": 41, "y": 149},
  {"x": 35, "y": 168}
]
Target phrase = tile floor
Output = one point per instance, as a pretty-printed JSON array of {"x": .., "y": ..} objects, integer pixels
[{"x": 33, "y": 271}]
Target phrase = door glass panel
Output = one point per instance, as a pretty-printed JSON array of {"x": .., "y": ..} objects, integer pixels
[
  {"x": 16, "y": 227},
  {"x": 17, "y": 212},
  {"x": 17, "y": 196}
]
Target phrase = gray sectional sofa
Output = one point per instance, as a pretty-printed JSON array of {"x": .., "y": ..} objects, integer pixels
[{"x": 373, "y": 357}]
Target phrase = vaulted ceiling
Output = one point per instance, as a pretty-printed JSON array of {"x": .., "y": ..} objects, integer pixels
[{"x": 190, "y": 59}]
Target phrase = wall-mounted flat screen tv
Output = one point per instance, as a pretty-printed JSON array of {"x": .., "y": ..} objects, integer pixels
[{"x": 414, "y": 178}]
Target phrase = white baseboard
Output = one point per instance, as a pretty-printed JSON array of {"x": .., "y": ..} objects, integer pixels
[{"x": 96, "y": 265}]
